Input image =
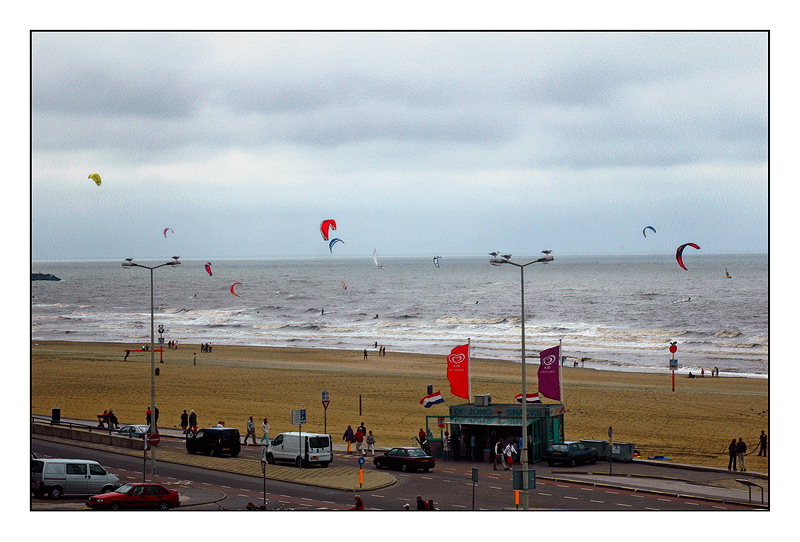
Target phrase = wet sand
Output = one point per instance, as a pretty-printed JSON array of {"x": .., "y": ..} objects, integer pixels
[{"x": 692, "y": 425}]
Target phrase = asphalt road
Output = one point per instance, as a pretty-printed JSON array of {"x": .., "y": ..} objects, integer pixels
[{"x": 449, "y": 485}]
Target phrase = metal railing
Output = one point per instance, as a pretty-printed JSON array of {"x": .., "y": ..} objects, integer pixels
[
  {"x": 750, "y": 485},
  {"x": 80, "y": 425}
]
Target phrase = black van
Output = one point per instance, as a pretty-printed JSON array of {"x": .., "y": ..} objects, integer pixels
[{"x": 214, "y": 441}]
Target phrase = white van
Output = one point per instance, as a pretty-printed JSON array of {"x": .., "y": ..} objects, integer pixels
[
  {"x": 57, "y": 477},
  {"x": 316, "y": 450}
]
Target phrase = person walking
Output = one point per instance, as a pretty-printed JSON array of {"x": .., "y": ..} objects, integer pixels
[
  {"x": 193, "y": 422},
  {"x": 741, "y": 449},
  {"x": 348, "y": 438},
  {"x": 732, "y": 454},
  {"x": 360, "y": 442},
  {"x": 509, "y": 452},
  {"x": 251, "y": 430},
  {"x": 184, "y": 421},
  {"x": 446, "y": 446},
  {"x": 371, "y": 443},
  {"x": 762, "y": 444},
  {"x": 265, "y": 431},
  {"x": 498, "y": 455}
]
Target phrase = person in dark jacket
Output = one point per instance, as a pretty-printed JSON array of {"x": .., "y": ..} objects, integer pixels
[
  {"x": 762, "y": 444},
  {"x": 184, "y": 421},
  {"x": 420, "y": 503},
  {"x": 741, "y": 449},
  {"x": 732, "y": 454},
  {"x": 193, "y": 422}
]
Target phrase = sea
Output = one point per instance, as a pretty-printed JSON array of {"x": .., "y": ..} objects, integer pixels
[{"x": 609, "y": 312}]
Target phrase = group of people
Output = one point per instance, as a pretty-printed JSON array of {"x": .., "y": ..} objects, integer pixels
[
  {"x": 251, "y": 431},
  {"x": 189, "y": 422},
  {"x": 364, "y": 440},
  {"x": 205, "y": 348},
  {"x": 109, "y": 419},
  {"x": 148, "y": 416},
  {"x": 504, "y": 455},
  {"x": 423, "y": 504},
  {"x": 737, "y": 451},
  {"x": 172, "y": 345}
]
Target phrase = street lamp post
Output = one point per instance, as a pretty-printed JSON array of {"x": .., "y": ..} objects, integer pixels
[
  {"x": 505, "y": 259},
  {"x": 130, "y": 263}
]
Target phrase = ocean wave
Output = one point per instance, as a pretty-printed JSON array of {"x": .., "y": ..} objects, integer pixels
[
  {"x": 472, "y": 321},
  {"x": 726, "y": 334}
]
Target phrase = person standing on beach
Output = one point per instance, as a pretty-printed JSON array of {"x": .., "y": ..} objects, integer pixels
[
  {"x": 762, "y": 444},
  {"x": 184, "y": 421},
  {"x": 732, "y": 454},
  {"x": 193, "y": 422},
  {"x": 194, "y": 362},
  {"x": 251, "y": 430},
  {"x": 348, "y": 438},
  {"x": 741, "y": 449},
  {"x": 265, "y": 431},
  {"x": 365, "y": 353}
]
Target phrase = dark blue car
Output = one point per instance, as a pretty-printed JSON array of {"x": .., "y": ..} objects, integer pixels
[{"x": 570, "y": 453}]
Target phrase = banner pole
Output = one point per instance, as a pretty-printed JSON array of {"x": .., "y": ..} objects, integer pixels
[{"x": 469, "y": 369}]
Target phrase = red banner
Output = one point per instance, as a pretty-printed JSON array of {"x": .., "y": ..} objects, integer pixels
[
  {"x": 549, "y": 373},
  {"x": 458, "y": 371}
]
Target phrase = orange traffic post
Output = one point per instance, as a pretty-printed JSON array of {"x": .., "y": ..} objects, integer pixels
[
  {"x": 360, "y": 477},
  {"x": 516, "y": 498}
]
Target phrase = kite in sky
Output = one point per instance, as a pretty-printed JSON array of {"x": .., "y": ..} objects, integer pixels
[
  {"x": 644, "y": 231},
  {"x": 335, "y": 240},
  {"x": 96, "y": 178},
  {"x": 232, "y": 286},
  {"x": 327, "y": 225},
  {"x": 208, "y": 268},
  {"x": 679, "y": 253},
  {"x": 166, "y": 230}
]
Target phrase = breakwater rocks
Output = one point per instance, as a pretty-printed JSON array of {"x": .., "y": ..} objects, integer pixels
[{"x": 43, "y": 276}]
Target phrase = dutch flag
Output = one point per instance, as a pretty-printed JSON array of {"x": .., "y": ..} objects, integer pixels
[
  {"x": 532, "y": 398},
  {"x": 429, "y": 400}
]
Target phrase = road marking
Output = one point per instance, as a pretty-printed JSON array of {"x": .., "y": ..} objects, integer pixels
[
  {"x": 656, "y": 509},
  {"x": 571, "y": 498},
  {"x": 426, "y": 477},
  {"x": 598, "y": 502},
  {"x": 205, "y": 483},
  {"x": 307, "y": 499},
  {"x": 623, "y": 504},
  {"x": 243, "y": 495},
  {"x": 458, "y": 505},
  {"x": 720, "y": 507},
  {"x": 693, "y": 503},
  {"x": 284, "y": 496},
  {"x": 226, "y": 487},
  {"x": 559, "y": 485},
  {"x": 665, "y": 500},
  {"x": 446, "y": 481},
  {"x": 495, "y": 487},
  {"x": 587, "y": 489},
  {"x": 612, "y": 492},
  {"x": 329, "y": 502},
  {"x": 545, "y": 494},
  {"x": 638, "y": 496},
  {"x": 379, "y": 496}
]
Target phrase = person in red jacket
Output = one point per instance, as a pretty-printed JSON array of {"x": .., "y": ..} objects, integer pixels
[{"x": 359, "y": 504}]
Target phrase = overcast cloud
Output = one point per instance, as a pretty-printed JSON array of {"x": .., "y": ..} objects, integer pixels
[{"x": 416, "y": 143}]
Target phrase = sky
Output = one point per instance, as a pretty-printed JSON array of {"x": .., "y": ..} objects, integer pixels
[{"x": 416, "y": 143}]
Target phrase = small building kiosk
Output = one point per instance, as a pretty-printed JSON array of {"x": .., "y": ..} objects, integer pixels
[{"x": 488, "y": 423}]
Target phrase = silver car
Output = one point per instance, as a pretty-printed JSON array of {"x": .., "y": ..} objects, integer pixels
[{"x": 133, "y": 431}]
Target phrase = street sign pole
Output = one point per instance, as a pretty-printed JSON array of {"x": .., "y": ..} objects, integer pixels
[
  {"x": 264, "y": 470},
  {"x": 610, "y": 449}
]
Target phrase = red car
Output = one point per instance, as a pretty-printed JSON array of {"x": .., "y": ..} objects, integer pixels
[{"x": 136, "y": 497}]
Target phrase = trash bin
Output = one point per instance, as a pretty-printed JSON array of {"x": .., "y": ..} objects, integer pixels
[
  {"x": 56, "y": 417},
  {"x": 600, "y": 445},
  {"x": 158, "y": 371},
  {"x": 622, "y": 451}
]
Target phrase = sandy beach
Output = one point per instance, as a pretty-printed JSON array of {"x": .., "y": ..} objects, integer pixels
[{"x": 693, "y": 425}]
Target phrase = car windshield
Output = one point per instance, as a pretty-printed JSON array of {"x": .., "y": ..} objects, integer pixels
[
  {"x": 124, "y": 489},
  {"x": 560, "y": 447},
  {"x": 416, "y": 453}
]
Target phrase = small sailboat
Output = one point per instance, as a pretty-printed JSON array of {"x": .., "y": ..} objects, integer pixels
[
  {"x": 375, "y": 259},
  {"x": 727, "y": 275}
]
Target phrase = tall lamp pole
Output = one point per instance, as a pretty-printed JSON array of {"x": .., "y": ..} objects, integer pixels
[
  {"x": 152, "y": 429},
  {"x": 505, "y": 259}
]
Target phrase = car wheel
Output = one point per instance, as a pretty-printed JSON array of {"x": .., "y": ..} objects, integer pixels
[
  {"x": 270, "y": 459},
  {"x": 163, "y": 505},
  {"x": 404, "y": 468},
  {"x": 38, "y": 493},
  {"x": 378, "y": 465},
  {"x": 55, "y": 492},
  {"x": 572, "y": 462},
  {"x": 115, "y": 505}
]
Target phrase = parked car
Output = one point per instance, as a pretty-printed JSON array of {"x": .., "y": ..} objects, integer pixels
[
  {"x": 405, "y": 458},
  {"x": 570, "y": 453},
  {"x": 214, "y": 441},
  {"x": 314, "y": 449},
  {"x": 133, "y": 431},
  {"x": 57, "y": 477},
  {"x": 136, "y": 496}
]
